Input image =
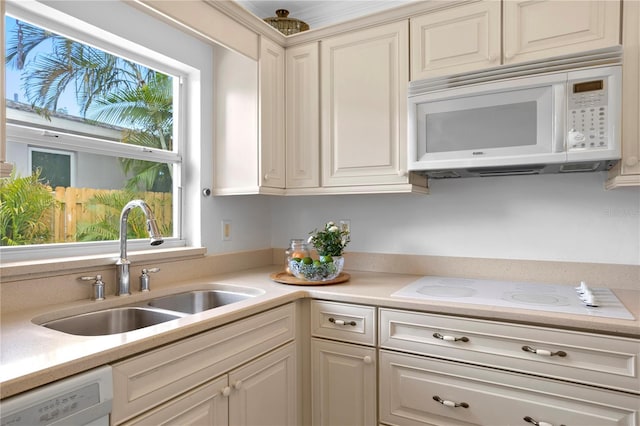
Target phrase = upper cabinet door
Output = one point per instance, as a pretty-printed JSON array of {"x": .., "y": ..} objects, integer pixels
[
  {"x": 303, "y": 116},
  {"x": 364, "y": 78},
  {"x": 627, "y": 171},
  {"x": 630, "y": 162},
  {"x": 272, "y": 131},
  {"x": 538, "y": 29},
  {"x": 460, "y": 39}
]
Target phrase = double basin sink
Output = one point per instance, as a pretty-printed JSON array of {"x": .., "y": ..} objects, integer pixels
[{"x": 151, "y": 312}]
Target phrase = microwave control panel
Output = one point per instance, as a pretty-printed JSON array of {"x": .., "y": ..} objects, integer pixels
[{"x": 587, "y": 115}]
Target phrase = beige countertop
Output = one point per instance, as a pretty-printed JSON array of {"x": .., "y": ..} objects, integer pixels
[{"x": 32, "y": 355}]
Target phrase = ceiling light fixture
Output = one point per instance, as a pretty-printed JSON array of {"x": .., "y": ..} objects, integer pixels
[{"x": 286, "y": 25}]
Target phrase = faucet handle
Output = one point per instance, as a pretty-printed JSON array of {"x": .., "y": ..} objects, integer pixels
[
  {"x": 145, "y": 280},
  {"x": 98, "y": 286}
]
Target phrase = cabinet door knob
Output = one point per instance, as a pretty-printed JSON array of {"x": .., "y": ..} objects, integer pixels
[
  {"x": 450, "y": 403},
  {"x": 238, "y": 385},
  {"x": 631, "y": 161},
  {"x": 226, "y": 391},
  {"x": 367, "y": 359},
  {"x": 450, "y": 338},
  {"x": 266, "y": 176}
]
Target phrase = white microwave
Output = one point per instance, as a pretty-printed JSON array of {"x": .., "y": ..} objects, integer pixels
[{"x": 550, "y": 123}]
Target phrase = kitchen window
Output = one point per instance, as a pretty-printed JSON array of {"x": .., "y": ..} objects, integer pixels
[{"x": 99, "y": 120}]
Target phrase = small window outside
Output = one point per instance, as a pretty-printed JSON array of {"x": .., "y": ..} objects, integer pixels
[
  {"x": 87, "y": 131},
  {"x": 56, "y": 168}
]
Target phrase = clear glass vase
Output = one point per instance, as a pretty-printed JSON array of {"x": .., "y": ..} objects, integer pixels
[{"x": 297, "y": 248}]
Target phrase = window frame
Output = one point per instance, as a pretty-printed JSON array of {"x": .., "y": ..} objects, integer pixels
[
  {"x": 21, "y": 131},
  {"x": 71, "y": 154}
]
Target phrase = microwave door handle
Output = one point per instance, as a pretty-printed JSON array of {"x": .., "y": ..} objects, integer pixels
[{"x": 560, "y": 130}]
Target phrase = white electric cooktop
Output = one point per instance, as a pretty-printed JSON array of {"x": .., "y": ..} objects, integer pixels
[{"x": 601, "y": 302}]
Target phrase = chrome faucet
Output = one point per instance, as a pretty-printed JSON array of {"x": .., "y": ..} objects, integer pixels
[{"x": 123, "y": 263}]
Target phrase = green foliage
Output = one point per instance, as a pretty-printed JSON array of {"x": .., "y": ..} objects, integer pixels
[
  {"x": 148, "y": 108},
  {"x": 24, "y": 203},
  {"x": 330, "y": 241},
  {"x": 107, "y": 227}
]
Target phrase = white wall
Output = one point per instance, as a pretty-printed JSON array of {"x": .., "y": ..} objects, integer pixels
[{"x": 550, "y": 217}]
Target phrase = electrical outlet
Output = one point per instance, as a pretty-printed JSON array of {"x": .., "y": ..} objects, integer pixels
[
  {"x": 345, "y": 225},
  {"x": 226, "y": 230}
]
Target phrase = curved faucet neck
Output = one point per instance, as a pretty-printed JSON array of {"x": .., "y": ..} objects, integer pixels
[{"x": 123, "y": 262}]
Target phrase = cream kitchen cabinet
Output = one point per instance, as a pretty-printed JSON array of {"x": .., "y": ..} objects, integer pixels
[
  {"x": 627, "y": 171},
  {"x": 468, "y": 37},
  {"x": 343, "y": 374},
  {"x": 249, "y": 144},
  {"x": 535, "y": 29},
  {"x": 364, "y": 78},
  {"x": 260, "y": 393},
  {"x": 188, "y": 373},
  {"x": 437, "y": 369},
  {"x": 455, "y": 40},
  {"x": 303, "y": 116},
  {"x": 272, "y": 115},
  {"x": 425, "y": 391}
]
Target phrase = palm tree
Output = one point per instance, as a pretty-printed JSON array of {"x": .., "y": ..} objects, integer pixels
[
  {"x": 108, "y": 89},
  {"x": 147, "y": 109},
  {"x": 90, "y": 71}
]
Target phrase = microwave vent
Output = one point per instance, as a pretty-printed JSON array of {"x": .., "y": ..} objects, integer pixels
[
  {"x": 443, "y": 174},
  {"x": 579, "y": 167},
  {"x": 602, "y": 57},
  {"x": 507, "y": 171}
]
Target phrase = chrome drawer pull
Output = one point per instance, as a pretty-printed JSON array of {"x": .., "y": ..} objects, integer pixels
[
  {"x": 531, "y": 420},
  {"x": 450, "y": 403},
  {"x": 543, "y": 352},
  {"x": 450, "y": 338},
  {"x": 342, "y": 322}
]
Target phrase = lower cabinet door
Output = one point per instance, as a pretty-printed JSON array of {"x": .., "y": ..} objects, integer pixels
[
  {"x": 204, "y": 405},
  {"x": 343, "y": 384},
  {"x": 264, "y": 392},
  {"x": 417, "y": 390}
]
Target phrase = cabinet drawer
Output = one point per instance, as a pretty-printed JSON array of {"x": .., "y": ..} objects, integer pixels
[
  {"x": 341, "y": 321},
  {"x": 588, "y": 358},
  {"x": 149, "y": 379},
  {"x": 420, "y": 391}
]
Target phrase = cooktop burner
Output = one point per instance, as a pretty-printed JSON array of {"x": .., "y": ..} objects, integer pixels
[{"x": 581, "y": 300}]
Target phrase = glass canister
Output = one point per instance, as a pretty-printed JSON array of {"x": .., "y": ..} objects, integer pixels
[{"x": 297, "y": 248}]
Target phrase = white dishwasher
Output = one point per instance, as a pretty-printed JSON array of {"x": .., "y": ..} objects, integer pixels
[{"x": 83, "y": 400}]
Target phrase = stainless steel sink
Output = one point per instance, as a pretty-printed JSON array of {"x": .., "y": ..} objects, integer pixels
[
  {"x": 111, "y": 321},
  {"x": 197, "y": 301},
  {"x": 147, "y": 313}
]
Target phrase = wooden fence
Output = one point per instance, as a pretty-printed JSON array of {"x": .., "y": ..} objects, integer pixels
[{"x": 74, "y": 208}]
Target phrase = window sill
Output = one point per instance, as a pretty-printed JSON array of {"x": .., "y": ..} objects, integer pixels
[{"x": 15, "y": 271}]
